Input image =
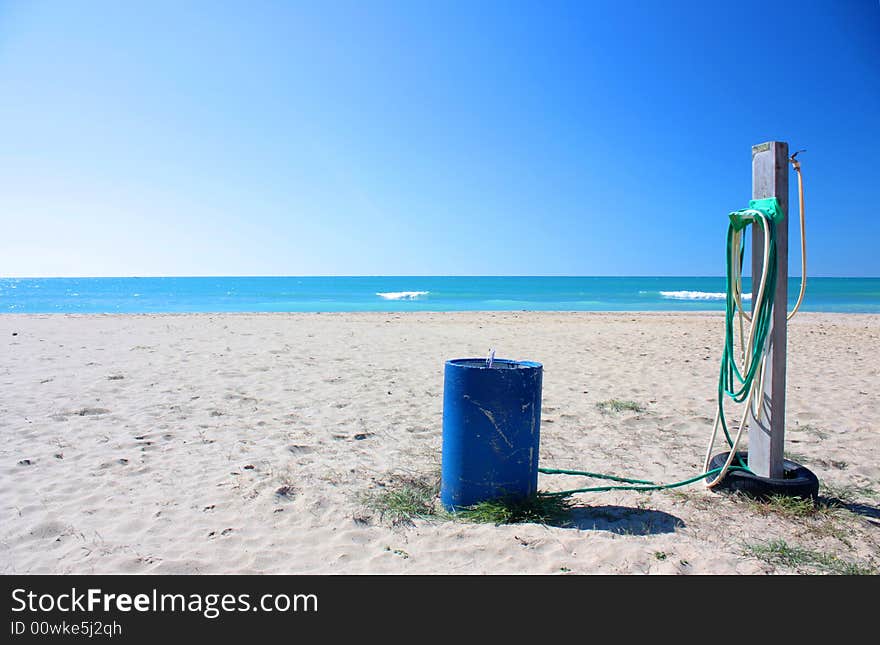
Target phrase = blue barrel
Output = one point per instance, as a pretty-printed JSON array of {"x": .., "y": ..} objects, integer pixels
[{"x": 491, "y": 430}]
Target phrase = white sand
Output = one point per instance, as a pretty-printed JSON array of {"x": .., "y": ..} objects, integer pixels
[{"x": 156, "y": 443}]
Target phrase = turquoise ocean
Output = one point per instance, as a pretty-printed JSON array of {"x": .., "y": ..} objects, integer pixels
[{"x": 401, "y": 293}]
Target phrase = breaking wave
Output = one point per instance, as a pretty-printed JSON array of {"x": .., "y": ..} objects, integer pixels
[
  {"x": 402, "y": 295},
  {"x": 699, "y": 295}
]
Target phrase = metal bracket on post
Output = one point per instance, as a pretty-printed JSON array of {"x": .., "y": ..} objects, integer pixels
[{"x": 767, "y": 434}]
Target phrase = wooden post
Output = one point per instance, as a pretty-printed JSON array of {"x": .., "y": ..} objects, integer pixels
[{"x": 767, "y": 435}]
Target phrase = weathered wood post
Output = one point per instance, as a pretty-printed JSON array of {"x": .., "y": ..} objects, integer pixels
[{"x": 767, "y": 435}]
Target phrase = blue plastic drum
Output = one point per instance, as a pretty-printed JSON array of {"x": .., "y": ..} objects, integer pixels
[{"x": 491, "y": 430}]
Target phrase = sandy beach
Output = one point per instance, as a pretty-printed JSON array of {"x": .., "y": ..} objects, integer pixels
[{"x": 246, "y": 443}]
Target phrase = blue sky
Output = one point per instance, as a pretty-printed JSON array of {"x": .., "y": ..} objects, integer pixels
[{"x": 423, "y": 138}]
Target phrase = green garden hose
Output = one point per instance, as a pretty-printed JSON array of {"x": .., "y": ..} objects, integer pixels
[{"x": 738, "y": 383}]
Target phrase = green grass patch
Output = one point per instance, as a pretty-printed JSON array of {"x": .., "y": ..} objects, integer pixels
[
  {"x": 793, "y": 508},
  {"x": 405, "y": 499},
  {"x": 618, "y": 405},
  {"x": 823, "y": 517},
  {"x": 539, "y": 509},
  {"x": 790, "y": 507},
  {"x": 779, "y": 552}
]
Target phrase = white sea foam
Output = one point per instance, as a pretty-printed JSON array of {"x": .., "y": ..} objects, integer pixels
[
  {"x": 402, "y": 295},
  {"x": 699, "y": 295}
]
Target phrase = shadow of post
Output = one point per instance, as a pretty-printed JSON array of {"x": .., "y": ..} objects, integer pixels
[{"x": 865, "y": 510}]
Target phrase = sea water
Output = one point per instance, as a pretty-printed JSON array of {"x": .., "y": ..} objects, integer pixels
[{"x": 408, "y": 293}]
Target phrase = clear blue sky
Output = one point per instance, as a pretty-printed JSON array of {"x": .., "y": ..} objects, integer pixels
[{"x": 413, "y": 138}]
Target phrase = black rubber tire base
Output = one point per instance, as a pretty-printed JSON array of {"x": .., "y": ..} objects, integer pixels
[{"x": 798, "y": 481}]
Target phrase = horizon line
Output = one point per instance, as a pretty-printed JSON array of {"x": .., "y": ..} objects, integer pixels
[{"x": 391, "y": 275}]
